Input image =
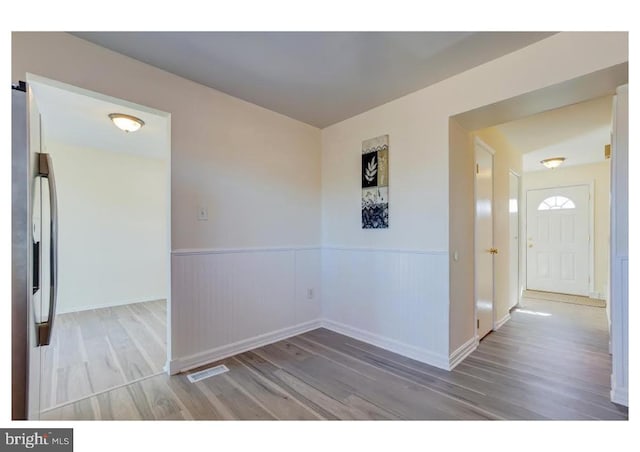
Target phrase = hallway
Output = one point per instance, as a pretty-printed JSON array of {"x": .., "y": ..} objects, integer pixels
[{"x": 550, "y": 361}]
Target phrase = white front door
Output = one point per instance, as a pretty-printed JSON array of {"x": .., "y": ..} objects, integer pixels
[
  {"x": 558, "y": 257},
  {"x": 484, "y": 250}
]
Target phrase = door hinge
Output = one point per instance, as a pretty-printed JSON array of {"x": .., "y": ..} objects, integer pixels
[
  {"x": 477, "y": 168},
  {"x": 20, "y": 86},
  {"x": 478, "y": 323}
]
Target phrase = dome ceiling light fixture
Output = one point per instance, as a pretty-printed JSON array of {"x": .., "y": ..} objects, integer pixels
[
  {"x": 553, "y": 162},
  {"x": 127, "y": 123}
]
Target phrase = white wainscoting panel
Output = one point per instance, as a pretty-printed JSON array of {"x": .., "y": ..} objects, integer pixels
[
  {"x": 308, "y": 276},
  {"x": 398, "y": 297},
  {"x": 228, "y": 301},
  {"x": 620, "y": 340}
]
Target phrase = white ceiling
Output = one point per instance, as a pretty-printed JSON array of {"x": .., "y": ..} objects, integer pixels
[
  {"x": 76, "y": 119},
  {"x": 577, "y": 132},
  {"x": 316, "y": 77}
]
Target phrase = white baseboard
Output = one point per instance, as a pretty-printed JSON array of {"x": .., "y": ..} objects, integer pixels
[
  {"x": 62, "y": 310},
  {"x": 410, "y": 351},
  {"x": 463, "y": 351},
  {"x": 215, "y": 354},
  {"x": 501, "y": 322},
  {"x": 620, "y": 396},
  {"x": 198, "y": 251}
]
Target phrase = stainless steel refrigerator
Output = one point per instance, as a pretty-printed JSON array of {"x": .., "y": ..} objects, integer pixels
[{"x": 34, "y": 234}]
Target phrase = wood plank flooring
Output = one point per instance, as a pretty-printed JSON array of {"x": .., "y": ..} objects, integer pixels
[
  {"x": 550, "y": 361},
  {"x": 95, "y": 350},
  {"x": 565, "y": 298}
]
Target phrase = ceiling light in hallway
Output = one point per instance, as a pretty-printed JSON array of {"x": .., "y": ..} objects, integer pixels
[
  {"x": 553, "y": 162},
  {"x": 127, "y": 123}
]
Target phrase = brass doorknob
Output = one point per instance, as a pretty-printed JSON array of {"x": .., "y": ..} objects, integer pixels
[{"x": 493, "y": 250}]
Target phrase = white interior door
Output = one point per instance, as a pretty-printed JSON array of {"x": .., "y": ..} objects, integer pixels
[
  {"x": 484, "y": 250},
  {"x": 514, "y": 239},
  {"x": 558, "y": 256}
]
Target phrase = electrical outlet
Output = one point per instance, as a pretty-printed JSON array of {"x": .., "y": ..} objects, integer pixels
[{"x": 310, "y": 294}]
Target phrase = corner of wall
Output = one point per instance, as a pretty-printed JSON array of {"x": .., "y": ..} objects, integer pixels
[{"x": 461, "y": 237}]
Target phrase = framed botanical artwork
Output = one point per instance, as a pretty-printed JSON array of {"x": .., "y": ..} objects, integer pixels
[{"x": 375, "y": 183}]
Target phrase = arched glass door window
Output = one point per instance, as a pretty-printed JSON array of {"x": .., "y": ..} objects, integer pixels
[{"x": 556, "y": 202}]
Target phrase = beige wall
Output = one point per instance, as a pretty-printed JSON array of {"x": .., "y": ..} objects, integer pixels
[
  {"x": 110, "y": 231},
  {"x": 506, "y": 159},
  {"x": 417, "y": 124},
  {"x": 461, "y": 233},
  {"x": 257, "y": 171},
  {"x": 599, "y": 174}
]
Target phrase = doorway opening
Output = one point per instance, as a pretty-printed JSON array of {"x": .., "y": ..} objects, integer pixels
[
  {"x": 563, "y": 211},
  {"x": 566, "y": 211},
  {"x": 551, "y": 226},
  {"x": 111, "y": 319}
]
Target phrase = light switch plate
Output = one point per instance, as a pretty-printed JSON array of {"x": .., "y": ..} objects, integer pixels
[{"x": 203, "y": 213}]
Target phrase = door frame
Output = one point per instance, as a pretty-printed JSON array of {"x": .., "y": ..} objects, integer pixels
[
  {"x": 30, "y": 77},
  {"x": 590, "y": 215},
  {"x": 478, "y": 142},
  {"x": 618, "y": 296},
  {"x": 518, "y": 177}
]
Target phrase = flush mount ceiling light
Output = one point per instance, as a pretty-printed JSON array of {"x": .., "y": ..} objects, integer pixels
[
  {"x": 553, "y": 162},
  {"x": 127, "y": 123}
]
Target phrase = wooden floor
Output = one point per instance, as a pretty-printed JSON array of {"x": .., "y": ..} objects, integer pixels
[
  {"x": 549, "y": 361},
  {"x": 95, "y": 350},
  {"x": 565, "y": 298}
]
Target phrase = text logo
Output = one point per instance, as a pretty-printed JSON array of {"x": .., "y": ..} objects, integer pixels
[{"x": 55, "y": 439}]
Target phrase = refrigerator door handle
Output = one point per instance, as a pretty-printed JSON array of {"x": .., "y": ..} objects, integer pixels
[{"x": 45, "y": 170}]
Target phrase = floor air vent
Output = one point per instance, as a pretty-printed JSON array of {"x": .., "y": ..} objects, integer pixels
[{"x": 212, "y": 371}]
